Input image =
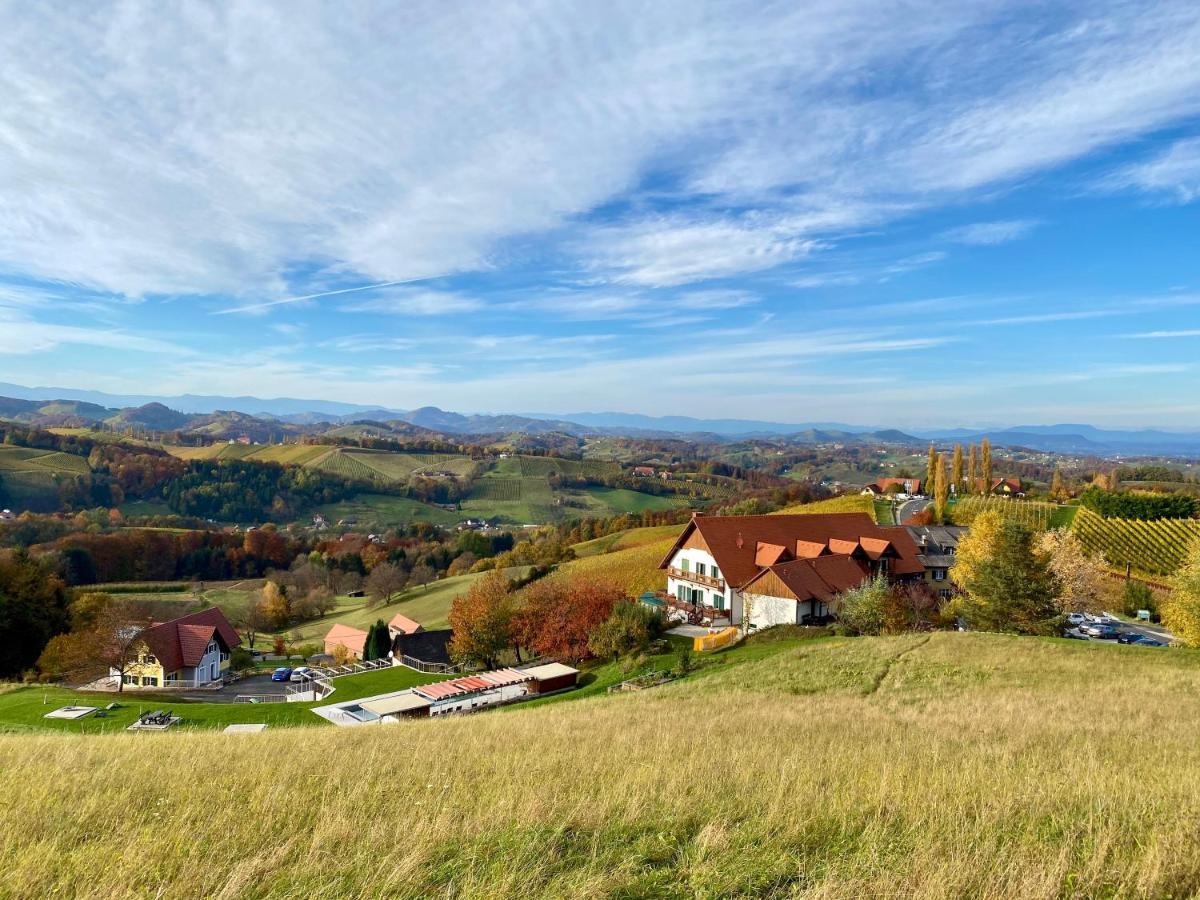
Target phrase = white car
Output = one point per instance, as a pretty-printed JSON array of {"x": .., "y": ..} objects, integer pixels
[
  {"x": 1076, "y": 619},
  {"x": 302, "y": 673}
]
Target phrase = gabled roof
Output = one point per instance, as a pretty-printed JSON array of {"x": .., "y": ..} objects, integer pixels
[
  {"x": 404, "y": 624},
  {"x": 736, "y": 542},
  {"x": 182, "y": 642},
  {"x": 768, "y": 554},
  {"x": 912, "y": 485},
  {"x": 353, "y": 639}
]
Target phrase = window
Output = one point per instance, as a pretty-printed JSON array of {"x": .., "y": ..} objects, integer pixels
[
  {"x": 716, "y": 573},
  {"x": 685, "y": 565},
  {"x": 149, "y": 681},
  {"x": 150, "y": 660},
  {"x": 944, "y": 594},
  {"x": 701, "y": 569},
  {"x": 719, "y": 601},
  {"x": 129, "y": 679},
  {"x": 939, "y": 574}
]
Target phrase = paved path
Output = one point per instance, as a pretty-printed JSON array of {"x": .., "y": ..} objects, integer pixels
[{"x": 910, "y": 508}]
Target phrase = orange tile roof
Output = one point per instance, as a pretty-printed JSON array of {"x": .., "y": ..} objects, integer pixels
[
  {"x": 182, "y": 642},
  {"x": 769, "y": 554},
  {"x": 404, "y": 624}
]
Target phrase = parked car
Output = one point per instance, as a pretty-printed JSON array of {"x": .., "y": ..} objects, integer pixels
[
  {"x": 1144, "y": 641},
  {"x": 283, "y": 673},
  {"x": 257, "y": 654},
  {"x": 1128, "y": 637},
  {"x": 1076, "y": 619},
  {"x": 1075, "y": 634},
  {"x": 1100, "y": 630},
  {"x": 300, "y": 673}
]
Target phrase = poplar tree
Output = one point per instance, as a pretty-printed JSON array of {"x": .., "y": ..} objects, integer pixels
[
  {"x": 1057, "y": 490},
  {"x": 956, "y": 470},
  {"x": 985, "y": 463},
  {"x": 941, "y": 491},
  {"x": 931, "y": 469},
  {"x": 972, "y": 468}
]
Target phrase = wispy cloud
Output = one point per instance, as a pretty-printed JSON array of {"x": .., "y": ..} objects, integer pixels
[
  {"x": 986, "y": 234},
  {"x": 1173, "y": 174},
  {"x": 1176, "y": 333},
  {"x": 264, "y": 305}
]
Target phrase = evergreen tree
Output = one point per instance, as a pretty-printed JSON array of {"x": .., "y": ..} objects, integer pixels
[
  {"x": 985, "y": 464},
  {"x": 972, "y": 468},
  {"x": 1010, "y": 587},
  {"x": 956, "y": 470},
  {"x": 931, "y": 469},
  {"x": 941, "y": 491}
]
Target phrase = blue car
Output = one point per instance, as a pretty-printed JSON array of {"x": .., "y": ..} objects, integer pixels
[{"x": 283, "y": 673}]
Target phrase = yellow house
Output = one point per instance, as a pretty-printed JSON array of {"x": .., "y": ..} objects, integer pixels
[{"x": 186, "y": 652}]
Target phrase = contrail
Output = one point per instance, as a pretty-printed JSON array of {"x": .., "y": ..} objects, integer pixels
[{"x": 269, "y": 303}]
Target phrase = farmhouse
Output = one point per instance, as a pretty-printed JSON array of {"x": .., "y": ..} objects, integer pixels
[
  {"x": 774, "y": 570},
  {"x": 190, "y": 651},
  {"x": 909, "y": 486},
  {"x": 936, "y": 548},
  {"x": 352, "y": 639},
  {"x": 644, "y": 471}
]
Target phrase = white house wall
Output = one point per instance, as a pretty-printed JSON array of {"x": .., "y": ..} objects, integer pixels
[
  {"x": 766, "y": 611},
  {"x": 730, "y": 599}
]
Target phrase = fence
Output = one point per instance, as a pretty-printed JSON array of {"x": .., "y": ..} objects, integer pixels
[
  {"x": 260, "y": 698},
  {"x": 433, "y": 668},
  {"x": 722, "y": 638}
]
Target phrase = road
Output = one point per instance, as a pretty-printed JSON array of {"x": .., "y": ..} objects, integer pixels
[{"x": 910, "y": 508}]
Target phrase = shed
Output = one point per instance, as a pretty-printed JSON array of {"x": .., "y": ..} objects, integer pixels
[
  {"x": 406, "y": 704},
  {"x": 550, "y": 677}
]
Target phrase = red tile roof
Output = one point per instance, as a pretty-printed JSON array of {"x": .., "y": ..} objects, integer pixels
[
  {"x": 912, "y": 485},
  {"x": 737, "y": 543},
  {"x": 404, "y": 624},
  {"x": 182, "y": 642}
]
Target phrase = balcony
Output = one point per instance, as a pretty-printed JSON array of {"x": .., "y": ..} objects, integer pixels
[{"x": 716, "y": 584}]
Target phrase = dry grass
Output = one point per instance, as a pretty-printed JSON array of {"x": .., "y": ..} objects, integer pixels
[{"x": 944, "y": 766}]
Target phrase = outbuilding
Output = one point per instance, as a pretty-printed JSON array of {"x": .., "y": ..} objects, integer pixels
[{"x": 551, "y": 677}]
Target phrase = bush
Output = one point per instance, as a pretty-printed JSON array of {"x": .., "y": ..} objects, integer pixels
[
  {"x": 685, "y": 663},
  {"x": 631, "y": 626},
  {"x": 1137, "y": 595},
  {"x": 240, "y": 659},
  {"x": 863, "y": 610}
]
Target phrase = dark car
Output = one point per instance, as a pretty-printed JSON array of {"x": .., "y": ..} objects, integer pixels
[
  {"x": 1144, "y": 641},
  {"x": 283, "y": 673},
  {"x": 1129, "y": 637}
]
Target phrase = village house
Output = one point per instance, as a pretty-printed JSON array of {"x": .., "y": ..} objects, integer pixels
[
  {"x": 774, "y": 570},
  {"x": 190, "y": 651},
  {"x": 899, "y": 486},
  {"x": 644, "y": 471},
  {"x": 937, "y": 546},
  {"x": 350, "y": 639}
]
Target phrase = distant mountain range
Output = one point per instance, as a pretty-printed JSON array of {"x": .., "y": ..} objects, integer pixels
[{"x": 273, "y": 419}]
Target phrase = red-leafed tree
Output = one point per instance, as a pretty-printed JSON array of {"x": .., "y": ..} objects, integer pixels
[{"x": 559, "y": 616}]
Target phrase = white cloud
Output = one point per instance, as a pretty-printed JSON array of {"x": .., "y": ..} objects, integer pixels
[
  {"x": 222, "y": 149},
  {"x": 1177, "y": 333},
  {"x": 417, "y": 302},
  {"x": 986, "y": 234},
  {"x": 1174, "y": 174},
  {"x": 22, "y": 336}
]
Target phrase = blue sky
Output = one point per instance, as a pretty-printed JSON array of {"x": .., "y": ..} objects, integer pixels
[{"x": 899, "y": 214}]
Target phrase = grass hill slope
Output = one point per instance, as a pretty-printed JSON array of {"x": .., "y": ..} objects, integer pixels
[{"x": 942, "y": 765}]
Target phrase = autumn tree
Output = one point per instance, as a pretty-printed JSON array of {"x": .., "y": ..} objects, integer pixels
[
  {"x": 941, "y": 491},
  {"x": 1081, "y": 578},
  {"x": 972, "y": 467},
  {"x": 1058, "y": 490},
  {"x": 275, "y": 604},
  {"x": 111, "y": 645},
  {"x": 385, "y": 581},
  {"x": 482, "y": 622},
  {"x": 251, "y": 619},
  {"x": 1114, "y": 480},
  {"x": 560, "y": 615},
  {"x": 1181, "y": 609},
  {"x": 931, "y": 469},
  {"x": 956, "y": 471},
  {"x": 985, "y": 464}
]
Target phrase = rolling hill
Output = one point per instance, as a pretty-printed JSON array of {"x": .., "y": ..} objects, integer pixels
[{"x": 943, "y": 765}]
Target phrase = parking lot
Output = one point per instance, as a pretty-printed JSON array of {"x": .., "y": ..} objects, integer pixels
[{"x": 1106, "y": 628}]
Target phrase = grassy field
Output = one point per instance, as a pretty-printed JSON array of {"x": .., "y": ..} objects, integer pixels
[
  {"x": 944, "y": 765},
  {"x": 31, "y": 477},
  {"x": 386, "y": 510},
  {"x": 635, "y": 569},
  {"x": 430, "y": 606},
  {"x": 623, "y": 540},
  {"x": 23, "y": 709}
]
